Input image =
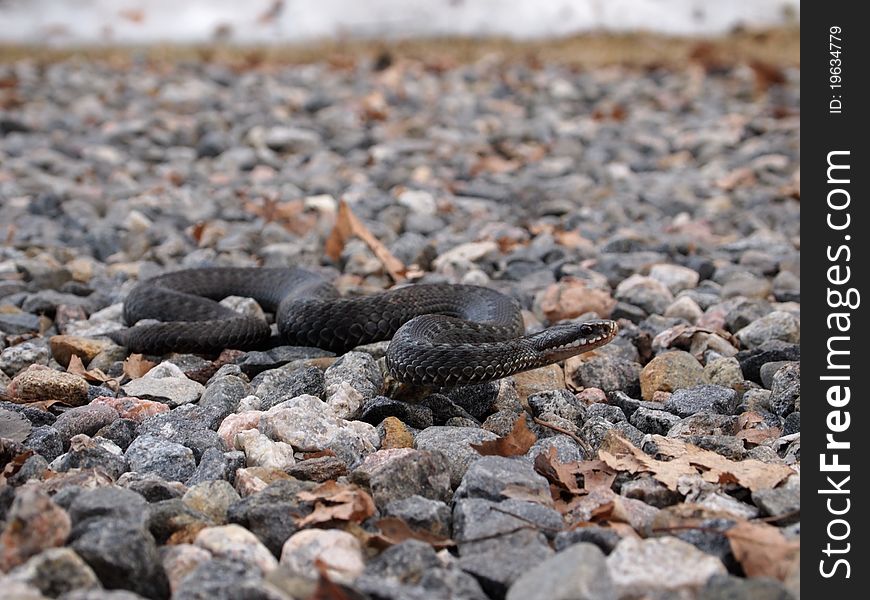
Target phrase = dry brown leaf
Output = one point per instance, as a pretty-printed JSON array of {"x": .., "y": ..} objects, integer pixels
[
  {"x": 572, "y": 239},
  {"x": 596, "y": 475},
  {"x": 686, "y": 459},
  {"x": 748, "y": 419},
  {"x": 516, "y": 443},
  {"x": 493, "y": 163},
  {"x": 290, "y": 215},
  {"x": 753, "y": 431},
  {"x": 336, "y": 502},
  {"x": 76, "y": 367},
  {"x": 135, "y": 366},
  {"x": 374, "y": 107},
  {"x": 762, "y": 550},
  {"x": 394, "y": 530},
  {"x": 766, "y": 75},
  {"x": 14, "y": 465},
  {"x": 597, "y": 505},
  {"x": 326, "y": 588},
  {"x": 46, "y": 404},
  {"x": 560, "y": 475},
  {"x": 754, "y": 437},
  {"x": 348, "y": 225},
  {"x": 196, "y": 230}
]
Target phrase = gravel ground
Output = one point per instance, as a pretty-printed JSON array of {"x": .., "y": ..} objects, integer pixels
[{"x": 667, "y": 199}]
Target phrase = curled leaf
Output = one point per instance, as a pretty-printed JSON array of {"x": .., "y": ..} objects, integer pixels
[
  {"x": 336, "y": 502},
  {"x": 516, "y": 443},
  {"x": 762, "y": 550},
  {"x": 135, "y": 366}
]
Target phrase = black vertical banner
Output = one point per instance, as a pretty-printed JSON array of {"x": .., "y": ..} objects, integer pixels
[{"x": 835, "y": 423}]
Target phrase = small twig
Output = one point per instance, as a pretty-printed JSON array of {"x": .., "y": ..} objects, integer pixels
[
  {"x": 718, "y": 530},
  {"x": 774, "y": 518},
  {"x": 583, "y": 444}
]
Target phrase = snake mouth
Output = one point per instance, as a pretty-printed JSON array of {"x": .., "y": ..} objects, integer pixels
[{"x": 563, "y": 341}]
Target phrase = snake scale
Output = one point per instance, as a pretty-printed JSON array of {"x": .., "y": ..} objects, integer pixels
[{"x": 442, "y": 334}]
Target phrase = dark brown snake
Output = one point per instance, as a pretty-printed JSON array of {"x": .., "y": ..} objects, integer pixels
[{"x": 442, "y": 334}]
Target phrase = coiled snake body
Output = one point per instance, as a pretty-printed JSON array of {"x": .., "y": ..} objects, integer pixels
[{"x": 442, "y": 334}]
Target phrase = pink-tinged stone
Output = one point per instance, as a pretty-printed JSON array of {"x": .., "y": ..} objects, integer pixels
[
  {"x": 660, "y": 396},
  {"x": 35, "y": 523},
  {"x": 237, "y": 544},
  {"x": 571, "y": 298},
  {"x": 180, "y": 560},
  {"x": 251, "y": 480},
  {"x": 130, "y": 407},
  {"x": 713, "y": 318},
  {"x": 592, "y": 395},
  {"x": 237, "y": 422},
  {"x": 339, "y": 552}
]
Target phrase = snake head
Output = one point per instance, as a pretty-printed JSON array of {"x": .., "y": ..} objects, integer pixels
[{"x": 569, "y": 339}]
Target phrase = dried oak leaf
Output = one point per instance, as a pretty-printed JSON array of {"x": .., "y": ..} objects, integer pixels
[
  {"x": 560, "y": 475},
  {"x": 753, "y": 431},
  {"x": 686, "y": 459},
  {"x": 135, "y": 366},
  {"x": 762, "y": 550},
  {"x": 516, "y": 443},
  {"x": 336, "y": 502},
  {"x": 596, "y": 474},
  {"x": 76, "y": 367},
  {"x": 348, "y": 225},
  {"x": 393, "y": 530},
  {"x": 46, "y": 404}
]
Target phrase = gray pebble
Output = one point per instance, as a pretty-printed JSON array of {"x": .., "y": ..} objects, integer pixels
[
  {"x": 455, "y": 444},
  {"x": 277, "y": 385},
  {"x": 123, "y": 555},
  {"x": 785, "y": 392},
  {"x": 490, "y": 476},
  {"x": 702, "y": 398},
  {"x": 578, "y": 571},
  {"x": 151, "y": 454},
  {"x": 653, "y": 421}
]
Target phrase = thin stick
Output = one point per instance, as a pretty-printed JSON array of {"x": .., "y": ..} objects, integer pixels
[{"x": 583, "y": 443}]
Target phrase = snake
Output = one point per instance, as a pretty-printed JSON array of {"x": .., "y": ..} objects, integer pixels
[{"x": 441, "y": 334}]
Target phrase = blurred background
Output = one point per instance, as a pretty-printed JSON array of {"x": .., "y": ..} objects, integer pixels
[{"x": 64, "y": 22}]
